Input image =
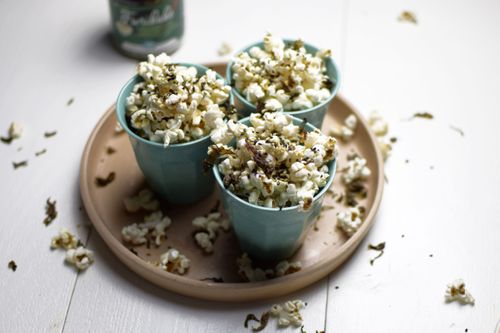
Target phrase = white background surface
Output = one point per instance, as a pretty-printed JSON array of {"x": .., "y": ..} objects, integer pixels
[{"x": 448, "y": 65}]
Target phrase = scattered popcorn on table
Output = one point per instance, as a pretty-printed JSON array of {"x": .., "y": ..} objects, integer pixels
[
  {"x": 65, "y": 240},
  {"x": 288, "y": 313},
  {"x": 350, "y": 220},
  {"x": 145, "y": 199},
  {"x": 456, "y": 292},
  {"x": 80, "y": 257},
  {"x": 282, "y": 77},
  {"x": 173, "y": 261},
  {"x": 356, "y": 169},
  {"x": 207, "y": 228},
  {"x": 224, "y": 49},
  {"x": 346, "y": 131},
  {"x": 247, "y": 272},
  {"x": 153, "y": 228},
  {"x": 275, "y": 163},
  {"x": 174, "y": 105}
]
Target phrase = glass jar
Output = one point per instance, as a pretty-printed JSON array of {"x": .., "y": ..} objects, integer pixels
[{"x": 141, "y": 27}]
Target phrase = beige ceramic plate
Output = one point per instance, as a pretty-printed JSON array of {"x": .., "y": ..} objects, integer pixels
[{"x": 324, "y": 249}]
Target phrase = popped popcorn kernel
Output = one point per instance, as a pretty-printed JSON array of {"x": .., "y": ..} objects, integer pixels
[
  {"x": 350, "y": 220},
  {"x": 145, "y": 199},
  {"x": 356, "y": 169},
  {"x": 288, "y": 313},
  {"x": 346, "y": 131},
  {"x": 207, "y": 228},
  {"x": 80, "y": 257},
  {"x": 174, "y": 262},
  {"x": 456, "y": 292},
  {"x": 64, "y": 240},
  {"x": 152, "y": 228},
  {"x": 251, "y": 274},
  {"x": 282, "y": 77}
]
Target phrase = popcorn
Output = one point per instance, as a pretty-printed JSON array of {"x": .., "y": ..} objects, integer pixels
[
  {"x": 350, "y": 220},
  {"x": 345, "y": 131},
  {"x": 65, "y": 240},
  {"x": 224, "y": 49},
  {"x": 153, "y": 227},
  {"x": 281, "y": 77},
  {"x": 356, "y": 169},
  {"x": 173, "y": 261},
  {"x": 456, "y": 292},
  {"x": 145, "y": 199},
  {"x": 15, "y": 130},
  {"x": 247, "y": 272},
  {"x": 380, "y": 128},
  {"x": 80, "y": 257},
  {"x": 208, "y": 227},
  {"x": 275, "y": 163},
  {"x": 173, "y": 105},
  {"x": 288, "y": 313}
]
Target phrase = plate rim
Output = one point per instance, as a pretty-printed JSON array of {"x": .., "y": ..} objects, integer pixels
[{"x": 240, "y": 291}]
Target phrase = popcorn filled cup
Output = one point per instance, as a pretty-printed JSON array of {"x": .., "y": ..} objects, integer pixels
[
  {"x": 173, "y": 168},
  {"x": 262, "y": 79},
  {"x": 272, "y": 233}
]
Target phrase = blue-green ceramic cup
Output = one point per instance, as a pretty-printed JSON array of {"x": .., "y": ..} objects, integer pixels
[
  {"x": 314, "y": 115},
  {"x": 176, "y": 172},
  {"x": 271, "y": 233}
]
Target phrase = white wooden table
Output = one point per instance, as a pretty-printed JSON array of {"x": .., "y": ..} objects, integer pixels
[{"x": 445, "y": 201}]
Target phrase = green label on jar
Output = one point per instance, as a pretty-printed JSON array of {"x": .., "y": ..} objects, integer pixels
[{"x": 147, "y": 26}]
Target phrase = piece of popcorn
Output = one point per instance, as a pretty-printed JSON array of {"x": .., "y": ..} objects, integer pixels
[
  {"x": 377, "y": 124},
  {"x": 64, "y": 240},
  {"x": 224, "y": 49},
  {"x": 350, "y": 220},
  {"x": 174, "y": 105},
  {"x": 385, "y": 147},
  {"x": 145, "y": 199},
  {"x": 282, "y": 73},
  {"x": 271, "y": 154},
  {"x": 456, "y": 292},
  {"x": 174, "y": 262},
  {"x": 288, "y": 313},
  {"x": 152, "y": 227},
  {"x": 356, "y": 169},
  {"x": 346, "y": 131},
  {"x": 80, "y": 257},
  {"x": 285, "y": 267},
  {"x": 15, "y": 130},
  {"x": 207, "y": 228}
]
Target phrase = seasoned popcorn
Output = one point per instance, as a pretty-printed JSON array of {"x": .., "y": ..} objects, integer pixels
[
  {"x": 350, "y": 220},
  {"x": 288, "y": 313},
  {"x": 65, "y": 240},
  {"x": 356, "y": 169},
  {"x": 456, "y": 292},
  {"x": 174, "y": 262},
  {"x": 275, "y": 163},
  {"x": 145, "y": 199},
  {"x": 282, "y": 77},
  {"x": 80, "y": 257},
  {"x": 207, "y": 228},
  {"x": 247, "y": 272},
  {"x": 345, "y": 131},
  {"x": 224, "y": 49},
  {"x": 174, "y": 105},
  {"x": 15, "y": 130},
  {"x": 153, "y": 227},
  {"x": 380, "y": 128}
]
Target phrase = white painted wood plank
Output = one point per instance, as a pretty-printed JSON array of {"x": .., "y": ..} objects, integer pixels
[{"x": 447, "y": 65}]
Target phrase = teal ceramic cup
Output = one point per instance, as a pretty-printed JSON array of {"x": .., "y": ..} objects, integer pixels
[
  {"x": 314, "y": 115},
  {"x": 271, "y": 233},
  {"x": 176, "y": 172}
]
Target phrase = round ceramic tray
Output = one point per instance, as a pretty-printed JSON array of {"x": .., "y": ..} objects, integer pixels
[{"x": 324, "y": 248}]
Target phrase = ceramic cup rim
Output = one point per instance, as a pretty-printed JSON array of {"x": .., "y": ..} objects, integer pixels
[
  {"x": 242, "y": 99},
  {"x": 122, "y": 118},
  {"x": 322, "y": 191}
]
